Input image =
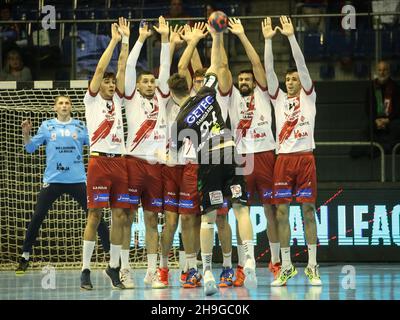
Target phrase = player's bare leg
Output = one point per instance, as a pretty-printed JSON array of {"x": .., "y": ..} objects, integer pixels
[
  {"x": 89, "y": 242},
  {"x": 311, "y": 270},
  {"x": 206, "y": 243},
  {"x": 273, "y": 237},
  {"x": 125, "y": 271},
  {"x": 287, "y": 270},
  {"x": 167, "y": 236},
  {"x": 151, "y": 224},
  {"x": 225, "y": 238},
  {"x": 242, "y": 215}
]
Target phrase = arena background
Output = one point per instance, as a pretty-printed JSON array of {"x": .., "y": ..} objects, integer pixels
[{"x": 360, "y": 219}]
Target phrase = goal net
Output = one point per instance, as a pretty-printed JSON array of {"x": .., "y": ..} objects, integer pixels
[{"x": 60, "y": 238}]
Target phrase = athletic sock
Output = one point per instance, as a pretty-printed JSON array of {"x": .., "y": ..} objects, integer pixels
[
  {"x": 125, "y": 259},
  {"x": 248, "y": 249},
  {"x": 152, "y": 262},
  {"x": 25, "y": 255},
  {"x": 163, "y": 262},
  {"x": 240, "y": 251},
  {"x": 286, "y": 261},
  {"x": 312, "y": 255},
  {"x": 88, "y": 247},
  {"x": 274, "y": 248},
  {"x": 227, "y": 263},
  {"x": 191, "y": 260},
  {"x": 115, "y": 252},
  {"x": 207, "y": 261}
]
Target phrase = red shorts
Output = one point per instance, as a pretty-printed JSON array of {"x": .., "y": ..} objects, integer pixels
[
  {"x": 145, "y": 184},
  {"x": 107, "y": 183},
  {"x": 189, "y": 198},
  {"x": 259, "y": 174},
  {"x": 172, "y": 177},
  {"x": 295, "y": 176}
]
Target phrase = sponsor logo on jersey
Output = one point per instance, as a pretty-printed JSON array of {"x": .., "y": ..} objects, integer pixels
[
  {"x": 304, "y": 193},
  {"x": 187, "y": 204},
  {"x": 156, "y": 202},
  {"x": 75, "y": 135},
  {"x": 283, "y": 193},
  {"x": 170, "y": 201},
  {"x": 53, "y": 136},
  {"x": 200, "y": 110},
  {"x": 267, "y": 194},
  {"x": 134, "y": 199},
  {"x": 299, "y": 135},
  {"x": 258, "y": 135},
  {"x": 60, "y": 167}
]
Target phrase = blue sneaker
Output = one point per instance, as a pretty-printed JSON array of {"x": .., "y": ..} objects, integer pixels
[
  {"x": 193, "y": 279},
  {"x": 226, "y": 277}
]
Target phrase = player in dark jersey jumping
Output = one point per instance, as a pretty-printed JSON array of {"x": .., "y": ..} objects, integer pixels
[{"x": 200, "y": 119}]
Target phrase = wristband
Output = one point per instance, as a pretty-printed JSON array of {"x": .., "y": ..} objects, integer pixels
[{"x": 125, "y": 40}]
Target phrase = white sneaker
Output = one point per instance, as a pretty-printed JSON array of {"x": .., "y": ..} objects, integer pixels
[
  {"x": 210, "y": 286},
  {"x": 312, "y": 274},
  {"x": 152, "y": 279},
  {"x": 125, "y": 276},
  {"x": 249, "y": 270}
]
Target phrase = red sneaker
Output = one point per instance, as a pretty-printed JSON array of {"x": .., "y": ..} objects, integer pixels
[
  {"x": 239, "y": 275},
  {"x": 275, "y": 269},
  {"x": 163, "y": 273}
]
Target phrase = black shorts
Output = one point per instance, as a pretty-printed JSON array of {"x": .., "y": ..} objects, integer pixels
[{"x": 221, "y": 177}]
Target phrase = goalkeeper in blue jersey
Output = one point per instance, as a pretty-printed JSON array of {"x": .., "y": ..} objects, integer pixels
[{"x": 64, "y": 138}]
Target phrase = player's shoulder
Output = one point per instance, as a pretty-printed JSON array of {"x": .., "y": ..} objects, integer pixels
[{"x": 78, "y": 123}]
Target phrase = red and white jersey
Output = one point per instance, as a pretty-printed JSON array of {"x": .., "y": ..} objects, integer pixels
[
  {"x": 295, "y": 120},
  {"x": 251, "y": 121},
  {"x": 104, "y": 122},
  {"x": 147, "y": 125}
]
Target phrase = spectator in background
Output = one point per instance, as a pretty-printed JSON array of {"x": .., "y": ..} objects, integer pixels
[
  {"x": 8, "y": 32},
  {"x": 383, "y": 107},
  {"x": 14, "y": 69},
  {"x": 383, "y": 110},
  {"x": 316, "y": 8},
  {"x": 176, "y": 11}
]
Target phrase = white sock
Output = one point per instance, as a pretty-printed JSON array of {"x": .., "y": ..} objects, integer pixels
[
  {"x": 248, "y": 249},
  {"x": 274, "y": 248},
  {"x": 286, "y": 261},
  {"x": 152, "y": 262},
  {"x": 182, "y": 260},
  {"x": 240, "y": 251},
  {"x": 163, "y": 262},
  {"x": 115, "y": 252},
  {"x": 191, "y": 260},
  {"x": 88, "y": 247},
  {"x": 25, "y": 255},
  {"x": 125, "y": 259},
  {"x": 227, "y": 263},
  {"x": 207, "y": 261},
  {"x": 312, "y": 255}
]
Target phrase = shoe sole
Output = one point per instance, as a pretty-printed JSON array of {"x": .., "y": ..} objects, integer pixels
[
  {"x": 313, "y": 284},
  {"x": 19, "y": 273},
  {"x": 86, "y": 288},
  {"x": 250, "y": 281},
  {"x": 210, "y": 288}
]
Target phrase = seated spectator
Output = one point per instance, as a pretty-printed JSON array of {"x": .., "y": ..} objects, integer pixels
[
  {"x": 383, "y": 110},
  {"x": 14, "y": 69},
  {"x": 8, "y": 32}
]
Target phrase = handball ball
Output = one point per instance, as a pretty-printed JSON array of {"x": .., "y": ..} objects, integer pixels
[{"x": 218, "y": 20}]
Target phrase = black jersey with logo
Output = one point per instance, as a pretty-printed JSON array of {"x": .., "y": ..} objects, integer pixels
[{"x": 200, "y": 119}]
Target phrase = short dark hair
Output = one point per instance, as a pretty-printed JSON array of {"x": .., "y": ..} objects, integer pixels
[
  {"x": 291, "y": 70},
  {"x": 200, "y": 72},
  {"x": 109, "y": 75},
  {"x": 62, "y": 96},
  {"x": 144, "y": 73},
  {"x": 178, "y": 85},
  {"x": 247, "y": 71}
]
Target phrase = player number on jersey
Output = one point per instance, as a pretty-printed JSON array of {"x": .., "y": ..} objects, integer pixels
[
  {"x": 205, "y": 126},
  {"x": 65, "y": 132}
]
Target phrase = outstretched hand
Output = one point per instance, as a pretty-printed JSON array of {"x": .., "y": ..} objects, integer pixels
[
  {"x": 287, "y": 26},
  {"x": 235, "y": 26},
  {"x": 163, "y": 27},
  {"x": 174, "y": 35},
  {"x": 115, "y": 35},
  {"x": 267, "y": 30},
  {"x": 26, "y": 127},
  {"x": 144, "y": 31},
  {"x": 124, "y": 26}
]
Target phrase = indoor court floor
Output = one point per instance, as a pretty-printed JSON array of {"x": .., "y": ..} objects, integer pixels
[{"x": 340, "y": 282}]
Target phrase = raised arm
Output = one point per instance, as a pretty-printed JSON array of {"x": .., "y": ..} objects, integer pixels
[
  {"x": 31, "y": 144},
  {"x": 192, "y": 38},
  {"x": 130, "y": 72},
  {"x": 272, "y": 79},
  {"x": 225, "y": 80},
  {"x": 124, "y": 29},
  {"x": 304, "y": 75},
  {"x": 105, "y": 59},
  {"x": 174, "y": 40},
  {"x": 196, "y": 61},
  {"x": 165, "y": 61},
  {"x": 236, "y": 27},
  {"x": 216, "y": 59}
]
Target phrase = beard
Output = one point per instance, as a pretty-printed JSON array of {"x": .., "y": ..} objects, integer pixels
[{"x": 245, "y": 90}]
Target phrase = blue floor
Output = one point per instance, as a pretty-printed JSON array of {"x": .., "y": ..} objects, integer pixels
[{"x": 357, "y": 282}]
